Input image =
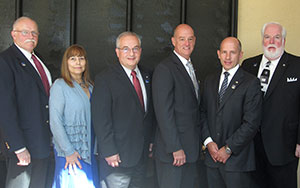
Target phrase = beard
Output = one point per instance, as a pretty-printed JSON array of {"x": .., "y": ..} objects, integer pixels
[{"x": 273, "y": 55}]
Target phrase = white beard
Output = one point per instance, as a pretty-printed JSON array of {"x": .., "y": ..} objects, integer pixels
[{"x": 273, "y": 55}]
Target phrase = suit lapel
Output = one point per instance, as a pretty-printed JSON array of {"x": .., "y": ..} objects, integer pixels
[
  {"x": 27, "y": 67},
  {"x": 185, "y": 74},
  {"x": 232, "y": 86},
  {"x": 146, "y": 80},
  {"x": 277, "y": 75},
  {"x": 124, "y": 79}
]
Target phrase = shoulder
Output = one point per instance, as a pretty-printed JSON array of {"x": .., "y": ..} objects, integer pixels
[
  {"x": 59, "y": 84},
  {"x": 252, "y": 60}
]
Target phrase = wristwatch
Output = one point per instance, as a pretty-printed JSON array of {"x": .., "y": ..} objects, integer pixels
[{"x": 228, "y": 150}]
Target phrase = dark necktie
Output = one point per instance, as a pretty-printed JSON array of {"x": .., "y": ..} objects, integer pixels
[
  {"x": 193, "y": 77},
  {"x": 264, "y": 77},
  {"x": 137, "y": 87},
  {"x": 223, "y": 87},
  {"x": 42, "y": 73}
]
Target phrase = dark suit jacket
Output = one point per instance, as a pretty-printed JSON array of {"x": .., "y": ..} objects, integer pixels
[
  {"x": 281, "y": 108},
  {"x": 177, "y": 111},
  {"x": 235, "y": 121},
  {"x": 24, "y": 105},
  {"x": 120, "y": 123}
]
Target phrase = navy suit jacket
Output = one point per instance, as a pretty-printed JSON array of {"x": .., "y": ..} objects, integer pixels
[
  {"x": 177, "y": 111},
  {"x": 280, "y": 127},
  {"x": 235, "y": 120},
  {"x": 120, "y": 122},
  {"x": 24, "y": 116}
]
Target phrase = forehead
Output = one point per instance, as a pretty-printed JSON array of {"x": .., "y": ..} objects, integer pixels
[
  {"x": 229, "y": 45},
  {"x": 273, "y": 29},
  {"x": 184, "y": 32},
  {"x": 26, "y": 24},
  {"x": 129, "y": 40}
]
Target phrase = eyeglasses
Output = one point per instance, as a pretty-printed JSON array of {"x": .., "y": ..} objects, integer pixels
[
  {"x": 26, "y": 33},
  {"x": 127, "y": 49}
]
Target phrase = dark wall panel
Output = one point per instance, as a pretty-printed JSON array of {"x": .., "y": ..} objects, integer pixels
[
  {"x": 7, "y": 17},
  {"x": 211, "y": 21},
  {"x": 99, "y": 22},
  {"x": 53, "y": 18},
  {"x": 155, "y": 21}
]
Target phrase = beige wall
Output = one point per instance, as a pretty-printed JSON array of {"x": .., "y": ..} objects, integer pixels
[{"x": 254, "y": 13}]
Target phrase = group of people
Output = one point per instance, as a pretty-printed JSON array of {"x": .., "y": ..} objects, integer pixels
[{"x": 247, "y": 117}]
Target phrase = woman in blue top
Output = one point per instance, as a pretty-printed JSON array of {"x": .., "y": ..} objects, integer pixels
[{"x": 70, "y": 123}]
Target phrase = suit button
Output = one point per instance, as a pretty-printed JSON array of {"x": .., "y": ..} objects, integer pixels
[
  {"x": 47, "y": 121},
  {"x": 218, "y": 134},
  {"x": 47, "y": 106}
]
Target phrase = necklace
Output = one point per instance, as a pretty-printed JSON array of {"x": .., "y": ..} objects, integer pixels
[{"x": 82, "y": 84}]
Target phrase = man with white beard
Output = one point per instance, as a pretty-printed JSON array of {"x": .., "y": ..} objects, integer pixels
[{"x": 277, "y": 141}]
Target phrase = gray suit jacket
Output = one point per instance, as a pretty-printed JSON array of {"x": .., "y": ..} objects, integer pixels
[
  {"x": 235, "y": 121},
  {"x": 177, "y": 111}
]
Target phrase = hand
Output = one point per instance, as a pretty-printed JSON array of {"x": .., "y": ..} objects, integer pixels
[
  {"x": 72, "y": 161},
  {"x": 179, "y": 158},
  {"x": 222, "y": 156},
  {"x": 113, "y": 160},
  {"x": 297, "y": 152},
  {"x": 24, "y": 158},
  {"x": 213, "y": 150},
  {"x": 150, "y": 155}
]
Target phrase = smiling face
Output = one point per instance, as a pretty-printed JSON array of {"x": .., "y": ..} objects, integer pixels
[
  {"x": 184, "y": 40},
  {"x": 273, "y": 41},
  {"x": 25, "y": 34},
  {"x": 230, "y": 53},
  {"x": 129, "y": 51}
]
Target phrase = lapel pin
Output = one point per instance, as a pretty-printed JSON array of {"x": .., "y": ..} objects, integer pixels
[
  {"x": 233, "y": 86},
  {"x": 147, "y": 79},
  {"x": 283, "y": 65},
  {"x": 23, "y": 64},
  {"x": 255, "y": 65}
]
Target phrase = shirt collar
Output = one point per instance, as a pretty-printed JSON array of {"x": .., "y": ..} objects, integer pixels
[
  {"x": 231, "y": 71},
  {"x": 182, "y": 59},
  {"x": 25, "y": 52}
]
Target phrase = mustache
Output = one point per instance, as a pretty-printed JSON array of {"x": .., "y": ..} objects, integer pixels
[
  {"x": 272, "y": 46},
  {"x": 30, "y": 40}
]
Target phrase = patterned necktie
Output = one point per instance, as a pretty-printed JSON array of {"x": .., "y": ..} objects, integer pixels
[
  {"x": 264, "y": 77},
  {"x": 193, "y": 77},
  {"x": 42, "y": 73},
  {"x": 223, "y": 87},
  {"x": 137, "y": 87}
]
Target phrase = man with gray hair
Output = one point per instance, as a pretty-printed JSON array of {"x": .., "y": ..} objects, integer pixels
[
  {"x": 277, "y": 143},
  {"x": 24, "y": 113},
  {"x": 122, "y": 116}
]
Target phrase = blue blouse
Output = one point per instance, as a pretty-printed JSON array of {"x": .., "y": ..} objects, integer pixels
[{"x": 70, "y": 119}]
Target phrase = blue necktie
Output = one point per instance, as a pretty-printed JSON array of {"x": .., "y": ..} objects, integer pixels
[{"x": 223, "y": 87}]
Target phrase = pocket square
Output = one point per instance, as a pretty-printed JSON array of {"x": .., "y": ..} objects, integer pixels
[{"x": 292, "y": 79}]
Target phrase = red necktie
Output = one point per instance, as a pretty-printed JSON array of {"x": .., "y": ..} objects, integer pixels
[
  {"x": 42, "y": 73},
  {"x": 137, "y": 87}
]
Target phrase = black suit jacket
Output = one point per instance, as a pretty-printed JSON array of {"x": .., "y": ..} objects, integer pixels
[
  {"x": 177, "y": 111},
  {"x": 121, "y": 124},
  {"x": 281, "y": 108},
  {"x": 24, "y": 105},
  {"x": 235, "y": 121}
]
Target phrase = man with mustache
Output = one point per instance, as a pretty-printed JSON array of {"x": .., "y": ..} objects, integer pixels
[
  {"x": 24, "y": 93},
  {"x": 277, "y": 144}
]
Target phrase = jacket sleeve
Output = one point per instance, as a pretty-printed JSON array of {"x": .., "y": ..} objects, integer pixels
[
  {"x": 163, "y": 101},
  {"x": 56, "y": 113}
]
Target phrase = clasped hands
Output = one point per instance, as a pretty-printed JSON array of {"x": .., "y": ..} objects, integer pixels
[{"x": 218, "y": 155}]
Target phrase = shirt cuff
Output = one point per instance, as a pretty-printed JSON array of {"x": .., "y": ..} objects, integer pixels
[
  {"x": 20, "y": 150},
  {"x": 207, "y": 141}
]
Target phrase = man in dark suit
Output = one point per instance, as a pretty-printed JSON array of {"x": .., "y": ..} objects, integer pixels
[
  {"x": 277, "y": 143},
  {"x": 122, "y": 115},
  {"x": 24, "y": 89},
  {"x": 230, "y": 116},
  {"x": 175, "y": 98}
]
